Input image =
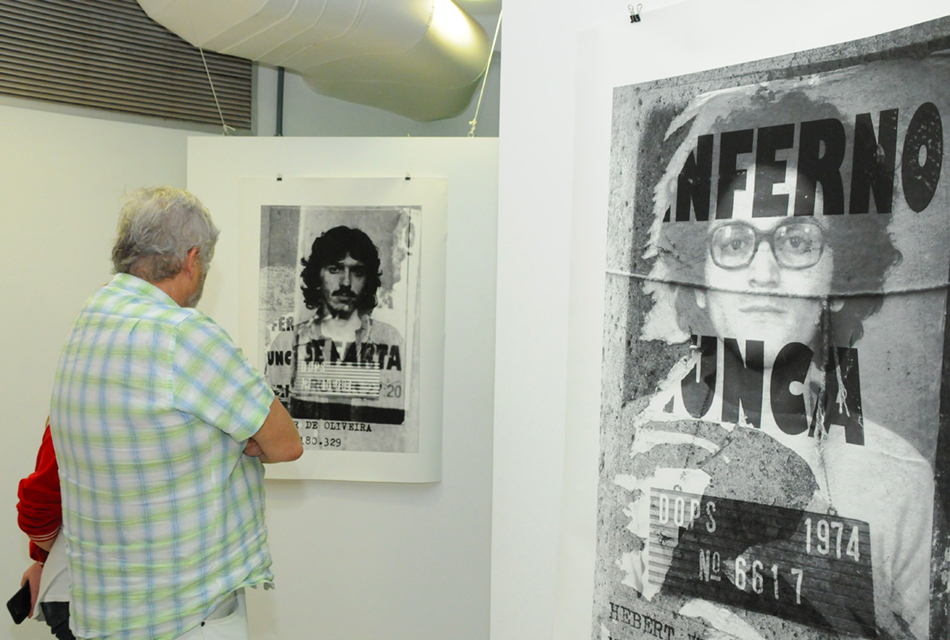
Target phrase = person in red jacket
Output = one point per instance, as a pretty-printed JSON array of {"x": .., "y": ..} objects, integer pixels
[{"x": 40, "y": 515}]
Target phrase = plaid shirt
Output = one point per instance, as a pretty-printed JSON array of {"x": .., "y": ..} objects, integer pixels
[{"x": 163, "y": 513}]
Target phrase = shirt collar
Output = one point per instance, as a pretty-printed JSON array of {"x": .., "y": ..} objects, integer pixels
[{"x": 133, "y": 284}]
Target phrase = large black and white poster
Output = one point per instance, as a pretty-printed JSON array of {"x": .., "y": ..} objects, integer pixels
[
  {"x": 342, "y": 306},
  {"x": 773, "y": 433},
  {"x": 338, "y": 312}
]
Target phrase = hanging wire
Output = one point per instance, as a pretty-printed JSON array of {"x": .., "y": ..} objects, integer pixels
[
  {"x": 474, "y": 121},
  {"x": 214, "y": 94},
  {"x": 227, "y": 129}
]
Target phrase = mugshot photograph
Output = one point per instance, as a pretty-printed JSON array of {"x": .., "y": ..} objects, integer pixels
[
  {"x": 337, "y": 353},
  {"x": 775, "y": 479}
]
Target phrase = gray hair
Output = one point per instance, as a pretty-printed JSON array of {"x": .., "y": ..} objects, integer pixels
[{"x": 157, "y": 228}]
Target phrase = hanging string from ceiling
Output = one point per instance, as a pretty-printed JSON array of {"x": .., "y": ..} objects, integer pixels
[
  {"x": 474, "y": 120},
  {"x": 214, "y": 94},
  {"x": 191, "y": 22}
]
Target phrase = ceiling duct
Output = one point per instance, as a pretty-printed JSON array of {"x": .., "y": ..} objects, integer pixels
[{"x": 419, "y": 58}]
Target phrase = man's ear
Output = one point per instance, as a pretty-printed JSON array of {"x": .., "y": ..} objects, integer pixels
[
  {"x": 836, "y": 304},
  {"x": 191, "y": 261},
  {"x": 700, "y": 297}
]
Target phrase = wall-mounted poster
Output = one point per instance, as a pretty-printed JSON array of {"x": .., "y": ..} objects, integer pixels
[
  {"x": 774, "y": 431},
  {"x": 339, "y": 293},
  {"x": 332, "y": 277}
]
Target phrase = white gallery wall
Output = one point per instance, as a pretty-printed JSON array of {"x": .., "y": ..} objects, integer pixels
[
  {"x": 563, "y": 58},
  {"x": 381, "y": 560}
]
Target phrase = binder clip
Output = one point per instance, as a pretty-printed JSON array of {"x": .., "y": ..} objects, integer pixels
[{"x": 634, "y": 12}]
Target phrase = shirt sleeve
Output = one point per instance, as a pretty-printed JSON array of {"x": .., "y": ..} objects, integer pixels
[
  {"x": 40, "y": 509},
  {"x": 214, "y": 381}
]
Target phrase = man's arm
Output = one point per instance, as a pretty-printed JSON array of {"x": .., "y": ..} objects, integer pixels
[
  {"x": 210, "y": 368},
  {"x": 277, "y": 439}
]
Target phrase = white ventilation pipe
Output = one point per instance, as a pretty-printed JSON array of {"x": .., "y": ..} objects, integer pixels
[{"x": 418, "y": 58}]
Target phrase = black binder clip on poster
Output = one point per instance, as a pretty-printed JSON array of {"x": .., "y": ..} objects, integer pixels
[{"x": 635, "y": 12}]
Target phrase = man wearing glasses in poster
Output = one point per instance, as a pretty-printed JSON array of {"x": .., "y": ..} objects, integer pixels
[{"x": 762, "y": 425}]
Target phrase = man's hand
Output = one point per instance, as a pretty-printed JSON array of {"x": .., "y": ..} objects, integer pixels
[
  {"x": 33, "y": 574},
  {"x": 253, "y": 449}
]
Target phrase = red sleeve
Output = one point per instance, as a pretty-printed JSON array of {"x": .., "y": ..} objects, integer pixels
[{"x": 40, "y": 508}]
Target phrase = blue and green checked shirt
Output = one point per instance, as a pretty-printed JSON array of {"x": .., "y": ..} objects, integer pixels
[{"x": 163, "y": 513}]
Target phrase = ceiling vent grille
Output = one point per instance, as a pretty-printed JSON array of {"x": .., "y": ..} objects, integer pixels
[{"x": 108, "y": 54}]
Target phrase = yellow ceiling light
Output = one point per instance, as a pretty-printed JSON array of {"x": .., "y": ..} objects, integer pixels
[
  {"x": 418, "y": 58},
  {"x": 452, "y": 24}
]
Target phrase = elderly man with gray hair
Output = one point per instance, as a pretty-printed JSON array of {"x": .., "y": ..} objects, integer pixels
[{"x": 160, "y": 426}]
